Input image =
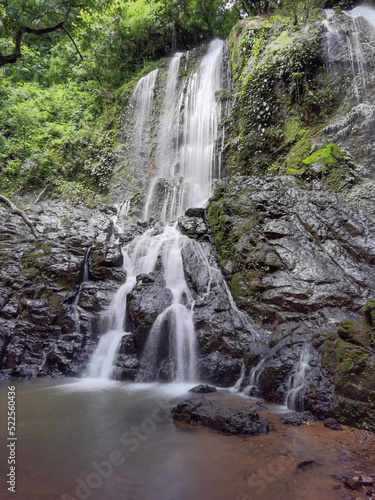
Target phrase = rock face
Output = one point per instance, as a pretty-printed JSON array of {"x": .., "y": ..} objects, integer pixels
[
  {"x": 225, "y": 420},
  {"x": 53, "y": 290},
  {"x": 301, "y": 260}
]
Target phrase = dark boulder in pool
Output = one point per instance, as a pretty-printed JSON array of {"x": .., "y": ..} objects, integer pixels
[
  {"x": 297, "y": 418},
  {"x": 201, "y": 389},
  {"x": 226, "y": 420}
]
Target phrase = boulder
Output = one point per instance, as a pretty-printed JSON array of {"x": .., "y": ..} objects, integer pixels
[{"x": 229, "y": 420}]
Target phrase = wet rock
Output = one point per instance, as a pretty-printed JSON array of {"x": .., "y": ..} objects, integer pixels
[
  {"x": 294, "y": 252},
  {"x": 301, "y": 262},
  {"x": 228, "y": 421},
  {"x": 148, "y": 299},
  {"x": 368, "y": 481},
  {"x": 201, "y": 389},
  {"x": 196, "y": 212},
  {"x": 297, "y": 418},
  {"x": 353, "y": 482},
  {"x": 332, "y": 423},
  {"x": 304, "y": 464},
  {"x": 194, "y": 227},
  {"x": 351, "y": 368},
  {"x": 49, "y": 319},
  {"x": 125, "y": 367},
  {"x": 103, "y": 260},
  {"x": 369, "y": 312},
  {"x": 216, "y": 368}
]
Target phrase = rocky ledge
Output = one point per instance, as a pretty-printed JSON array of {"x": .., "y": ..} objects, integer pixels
[
  {"x": 300, "y": 261},
  {"x": 53, "y": 290}
]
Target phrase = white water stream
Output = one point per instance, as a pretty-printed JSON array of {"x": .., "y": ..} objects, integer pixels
[
  {"x": 187, "y": 165},
  {"x": 296, "y": 383},
  {"x": 187, "y": 169}
]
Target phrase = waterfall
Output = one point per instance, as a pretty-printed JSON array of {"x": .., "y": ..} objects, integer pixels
[
  {"x": 252, "y": 389},
  {"x": 101, "y": 363},
  {"x": 296, "y": 383},
  {"x": 349, "y": 43},
  {"x": 141, "y": 103},
  {"x": 187, "y": 165},
  {"x": 85, "y": 277},
  {"x": 177, "y": 319}
]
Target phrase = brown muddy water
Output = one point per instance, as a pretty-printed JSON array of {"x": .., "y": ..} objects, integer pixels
[{"x": 110, "y": 441}]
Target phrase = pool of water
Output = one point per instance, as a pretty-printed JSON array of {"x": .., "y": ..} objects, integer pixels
[{"x": 98, "y": 440}]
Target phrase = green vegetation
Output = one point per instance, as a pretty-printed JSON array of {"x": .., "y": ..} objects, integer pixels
[
  {"x": 348, "y": 360},
  {"x": 331, "y": 165},
  {"x": 278, "y": 103},
  {"x": 66, "y": 73}
]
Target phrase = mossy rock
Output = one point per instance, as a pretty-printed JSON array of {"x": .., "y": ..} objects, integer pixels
[
  {"x": 348, "y": 329},
  {"x": 331, "y": 165},
  {"x": 369, "y": 312},
  {"x": 351, "y": 367},
  {"x": 354, "y": 413},
  {"x": 359, "y": 333}
]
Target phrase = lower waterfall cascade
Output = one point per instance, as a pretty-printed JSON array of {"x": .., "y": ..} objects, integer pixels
[
  {"x": 169, "y": 352},
  {"x": 170, "y": 346}
]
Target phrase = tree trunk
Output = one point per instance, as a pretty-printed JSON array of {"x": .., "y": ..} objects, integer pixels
[{"x": 21, "y": 213}]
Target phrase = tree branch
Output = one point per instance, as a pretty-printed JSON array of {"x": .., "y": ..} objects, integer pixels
[
  {"x": 12, "y": 58},
  {"x": 75, "y": 45},
  {"x": 19, "y": 212}
]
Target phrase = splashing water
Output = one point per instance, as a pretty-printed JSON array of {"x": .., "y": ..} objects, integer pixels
[{"x": 296, "y": 384}]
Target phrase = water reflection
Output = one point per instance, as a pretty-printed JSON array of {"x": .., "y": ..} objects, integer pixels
[{"x": 116, "y": 440}]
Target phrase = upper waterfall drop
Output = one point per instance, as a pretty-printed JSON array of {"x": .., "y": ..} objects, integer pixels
[
  {"x": 186, "y": 159},
  {"x": 365, "y": 11},
  {"x": 349, "y": 42}
]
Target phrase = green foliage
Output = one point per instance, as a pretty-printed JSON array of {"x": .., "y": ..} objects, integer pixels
[
  {"x": 61, "y": 100},
  {"x": 53, "y": 133},
  {"x": 275, "y": 76}
]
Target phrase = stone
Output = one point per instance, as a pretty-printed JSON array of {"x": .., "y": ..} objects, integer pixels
[
  {"x": 149, "y": 298},
  {"x": 332, "y": 424},
  {"x": 201, "y": 389},
  {"x": 229, "y": 421},
  {"x": 42, "y": 296},
  {"x": 297, "y": 418},
  {"x": 304, "y": 464}
]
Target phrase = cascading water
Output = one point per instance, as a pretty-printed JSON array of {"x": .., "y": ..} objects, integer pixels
[
  {"x": 296, "y": 383},
  {"x": 141, "y": 102},
  {"x": 252, "y": 388},
  {"x": 185, "y": 171},
  {"x": 349, "y": 43},
  {"x": 187, "y": 165},
  {"x": 176, "y": 321}
]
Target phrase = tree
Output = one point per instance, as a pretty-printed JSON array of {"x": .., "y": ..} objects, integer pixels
[
  {"x": 20, "y": 19},
  {"x": 300, "y": 10}
]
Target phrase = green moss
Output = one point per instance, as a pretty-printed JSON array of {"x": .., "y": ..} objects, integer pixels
[
  {"x": 369, "y": 312},
  {"x": 29, "y": 272},
  {"x": 296, "y": 154},
  {"x": 326, "y": 156},
  {"x": 347, "y": 326},
  {"x": 330, "y": 164},
  {"x": 276, "y": 81}
]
